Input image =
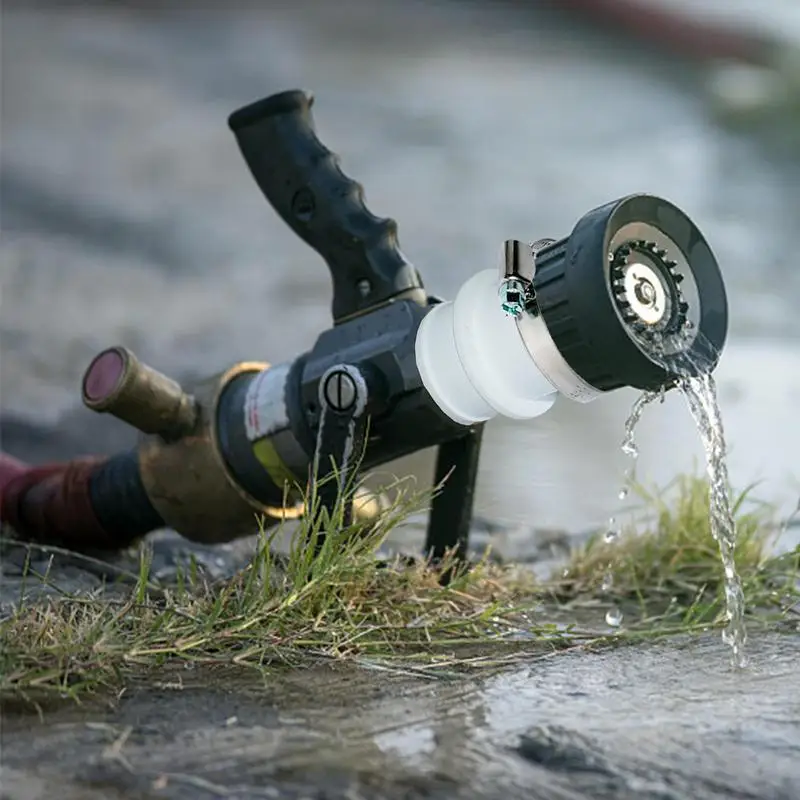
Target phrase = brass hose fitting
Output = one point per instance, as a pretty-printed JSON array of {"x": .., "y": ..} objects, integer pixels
[
  {"x": 117, "y": 383},
  {"x": 183, "y": 471}
]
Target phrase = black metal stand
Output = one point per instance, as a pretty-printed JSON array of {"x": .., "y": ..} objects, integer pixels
[{"x": 451, "y": 512}]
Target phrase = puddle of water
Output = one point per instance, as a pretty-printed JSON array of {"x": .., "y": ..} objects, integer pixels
[{"x": 623, "y": 723}]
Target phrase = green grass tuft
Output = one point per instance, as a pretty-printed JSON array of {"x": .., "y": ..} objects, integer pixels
[
  {"x": 667, "y": 565},
  {"x": 344, "y": 605}
]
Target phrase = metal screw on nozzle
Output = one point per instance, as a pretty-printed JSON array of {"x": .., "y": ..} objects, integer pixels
[
  {"x": 513, "y": 292},
  {"x": 340, "y": 391},
  {"x": 646, "y": 293},
  {"x": 343, "y": 389}
]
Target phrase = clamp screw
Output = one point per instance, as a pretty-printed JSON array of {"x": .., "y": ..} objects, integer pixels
[
  {"x": 340, "y": 390},
  {"x": 513, "y": 296}
]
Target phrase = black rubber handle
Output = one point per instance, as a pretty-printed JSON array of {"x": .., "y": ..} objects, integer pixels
[{"x": 301, "y": 179}]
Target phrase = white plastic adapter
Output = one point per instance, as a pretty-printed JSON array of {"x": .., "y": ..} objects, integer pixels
[{"x": 473, "y": 361}]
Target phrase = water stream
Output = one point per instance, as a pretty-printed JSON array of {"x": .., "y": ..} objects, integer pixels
[
  {"x": 700, "y": 392},
  {"x": 701, "y": 395}
]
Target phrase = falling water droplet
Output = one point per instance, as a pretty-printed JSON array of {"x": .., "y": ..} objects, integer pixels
[
  {"x": 623, "y": 493},
  {"x": 608, "y": 582},
  {"x": 630, "y": 449},
  {"x": 613, "y": 617}
]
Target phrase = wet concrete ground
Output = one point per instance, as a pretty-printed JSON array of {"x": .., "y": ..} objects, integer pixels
[
  {"x": 565, "y": 727},
  {"x": 128, "y": 217}
]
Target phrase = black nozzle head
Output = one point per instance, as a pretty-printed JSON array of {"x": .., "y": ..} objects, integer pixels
[{"x": 634, "y": 296}]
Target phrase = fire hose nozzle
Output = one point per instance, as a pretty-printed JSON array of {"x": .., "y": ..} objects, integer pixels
[{"x": 632, "y": 297}]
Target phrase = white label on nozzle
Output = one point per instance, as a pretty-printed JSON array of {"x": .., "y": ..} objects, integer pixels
[{"x": 265, "y": 404}]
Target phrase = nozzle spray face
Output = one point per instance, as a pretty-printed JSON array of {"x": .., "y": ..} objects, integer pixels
[{"x": 634, "y": 297}]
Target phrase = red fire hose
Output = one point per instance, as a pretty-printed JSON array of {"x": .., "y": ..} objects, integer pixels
[{"x": 50, "y": 504}]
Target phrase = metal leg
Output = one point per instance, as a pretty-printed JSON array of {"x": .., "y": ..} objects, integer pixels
[
  {"x": 340, "y": 441},
  {"x": 451, "y": 511}
]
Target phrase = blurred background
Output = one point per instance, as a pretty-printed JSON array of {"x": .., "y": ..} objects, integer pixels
[{"x": 129, "y": 217}]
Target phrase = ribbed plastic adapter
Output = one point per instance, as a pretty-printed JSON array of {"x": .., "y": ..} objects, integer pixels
[{"x": 472, "y": 359}]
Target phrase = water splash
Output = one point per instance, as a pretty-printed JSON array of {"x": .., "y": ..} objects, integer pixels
[{"x": 614, "y": 617}]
